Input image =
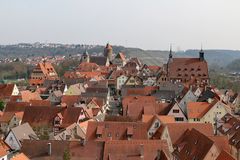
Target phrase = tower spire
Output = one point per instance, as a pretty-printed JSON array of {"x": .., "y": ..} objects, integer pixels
[
  {"x": 170, "y": 53},
  {"x": 201, "y": 54}
]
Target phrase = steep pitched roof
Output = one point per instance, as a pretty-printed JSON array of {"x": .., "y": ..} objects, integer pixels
[
  {"x": 224, "y": 156},
  {"x": 116, "y": 130},
  {"x": 6, "y": 90},
  {"x": 40, "y": 116},
  {"x": 23, "y": 131},
  {"x": 136, "y": 149},
  {"x": 199, "y": 109},
  {"x": 70, "y": 100},
  {"x": 99, "y": 60},
  {"x": 91, "y": 150},
  {"x": 187, "y": 68},
  {"x": 192, "y": 144},
  {"x": 175, "y": 130}
]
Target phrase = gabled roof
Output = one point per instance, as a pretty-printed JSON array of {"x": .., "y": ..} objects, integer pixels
[
  {"x": 192, "y": 144},
  {"x": 99, "y": 60},
  {"x": 70, "y": 100},
  {"x": 175, "y": 130},
  {"x": 115, "y": 130},
  {"x": 187, "y": 68},
  {"x": 199, "y": 109},
  {"x": 40, "y": 116},
  {"x": 136, "y": 149},
  {"x": 224, "y": 156},
  {"x": 16, "y": 106},
  {"x": 6, "y": 90},
  {"x": 24, "y": 131}
]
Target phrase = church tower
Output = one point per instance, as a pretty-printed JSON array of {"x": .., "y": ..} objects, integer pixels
[
  {"x": 85, "y": 57},
  {"x": 201, "y": 55},
  {"x": 108, "y": 51}
]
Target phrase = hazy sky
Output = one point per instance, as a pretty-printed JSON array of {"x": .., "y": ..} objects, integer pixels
[{"x": 148, "y": 24}]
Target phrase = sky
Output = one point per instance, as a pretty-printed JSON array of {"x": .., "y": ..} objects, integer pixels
[{"x": 146, "y": 24}]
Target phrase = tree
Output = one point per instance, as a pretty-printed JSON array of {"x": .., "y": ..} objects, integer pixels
[
  {"x": 2, "y": 104},
  {"x": 66, "y": 155}
]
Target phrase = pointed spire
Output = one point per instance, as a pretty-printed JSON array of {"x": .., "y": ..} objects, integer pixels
[
  {"x": 170, "y": 53},
  {"x": 201, "y": 54},
  {"x": 85, "y": 52}
]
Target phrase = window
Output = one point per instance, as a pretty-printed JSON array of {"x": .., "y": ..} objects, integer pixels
[
  {"x": 156, "y": 125},
  {"x": 176, "y": 111},
  {"x": 179, "y": 118}
]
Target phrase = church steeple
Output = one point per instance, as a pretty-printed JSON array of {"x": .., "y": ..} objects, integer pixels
[
  {"x": 170, "y": 53},
  {"x": 201, "y": 55},
  {"x": 108, "y": 51},
  {"x": 85, "y": 56}
]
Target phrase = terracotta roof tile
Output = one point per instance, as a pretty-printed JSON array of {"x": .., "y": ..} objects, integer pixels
[
  {"x": 20, "y": 156},
  {"x": 136, "y": 150}
]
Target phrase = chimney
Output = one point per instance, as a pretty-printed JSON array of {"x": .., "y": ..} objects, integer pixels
[
  {"x": 141, "y": 151},
  {"x": 49, "y": 149},
  {"x": 215, "y": 125}
]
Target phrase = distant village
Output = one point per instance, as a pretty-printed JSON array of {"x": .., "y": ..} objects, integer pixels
[{"x": 111, "y": 107}]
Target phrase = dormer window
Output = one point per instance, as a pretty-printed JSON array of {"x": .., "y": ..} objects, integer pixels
[
  {"x": 185, "y": 69},
  {"x": 192, "y": 69},
  {"x": 199, "y": 69},
  {"x": 179, "y": 69}
]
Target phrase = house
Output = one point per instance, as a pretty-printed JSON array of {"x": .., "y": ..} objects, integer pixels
[
  {"x": 27, "y": 96},
  {"x": 206, "y": 112},
  {"x": 16, "y": 135},
  {"x": 156, "y": 123},
  {"x": 119, "y": 60},
  {"x": 20, "y": 156},
  {"x": 70, "y": 100},
  {"x": 120, "y": 81},
  {"x": 136, "y": 100},
  {"x": 43, "y": 71},
  {"x": 4, "y": 150},
  {"x": 177, "y": 112},
  {"x": 9, "y": 120},
  {"x": 8, "y": 90},
  {"x": 179, "y": 108},
  {"x": 97, "y": 92},
  {"x": 173, "y": 131},
  {"x": 75, "y": 89},
  {"x": 55, "y": 97},
  {"x": 136, "y": 149},
  {"x": 195, "y": 145},
  {"x": 133, "y": 81},
  {"x": 72, "y": 132},
  {"x": 139, "y": 90},
  {"x": 109, "y": 130},
  {"x": 131, "y": 68},
  {"x": 56, "y": 150},
  {"x": 185, "y": 69},
  {"x": 48, "y": 120},
  {"x": 230, "y": 126},
  {"x": 87, "y": 67},
  {"x": 164, "y": 96}
]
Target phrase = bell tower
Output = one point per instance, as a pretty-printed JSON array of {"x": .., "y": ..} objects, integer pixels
[{"x": 108, "y": 51}]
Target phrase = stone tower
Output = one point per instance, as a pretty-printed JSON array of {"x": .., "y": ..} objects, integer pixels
[
  {"x": 108, "y": 51},
  {"x": 85, "y": 57}
]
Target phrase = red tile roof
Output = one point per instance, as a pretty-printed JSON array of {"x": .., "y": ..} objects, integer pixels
[
  {"x": 192, "y": 144},
  {"x": 6, "y": 90},
  {"x": 136, "y": 149},
  {"x": 224, "y": 156},
  {"x": 185, "y": 68},
  {"x": 115, "y": 130},
  {"x": 175, "y": 130}
]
